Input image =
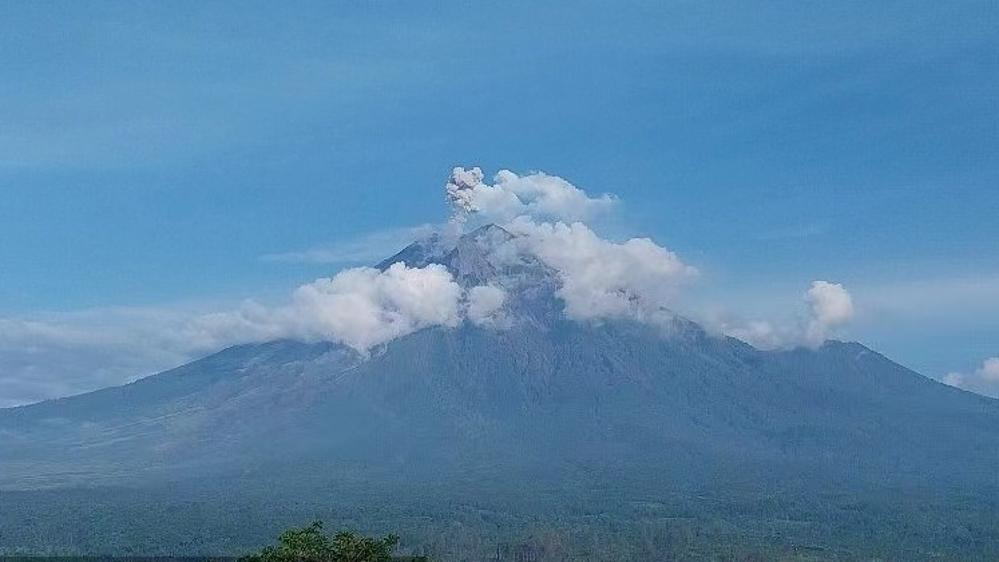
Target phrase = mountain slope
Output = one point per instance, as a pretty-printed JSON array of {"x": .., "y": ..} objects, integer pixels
[
  {"x": 692, "y": 402},
  {"x": 571, "y": 409}
]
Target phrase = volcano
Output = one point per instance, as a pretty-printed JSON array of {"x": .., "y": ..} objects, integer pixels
[{"x": 537, "y": 419}]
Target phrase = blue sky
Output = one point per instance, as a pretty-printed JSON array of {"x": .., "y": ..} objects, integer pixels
[{"x": 152, "y": 155}]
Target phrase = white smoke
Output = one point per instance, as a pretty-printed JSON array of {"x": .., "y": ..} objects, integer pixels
[
  {"x": 360, "y": 307},
  {"x": 537, "y": 195},
  {"x": 57, "y": 355},
  {"x": 485, "y": 305},
  {"x": 829, "y": 309},
  {"x": 603, "y": 279},
  {"x": 461, "y": 190},
  {"x": 990, "y": 369},
  {"x": 760, "y": 333},
  {"x": 599, "y": 278},
  {"x": 365, "y": 307}
]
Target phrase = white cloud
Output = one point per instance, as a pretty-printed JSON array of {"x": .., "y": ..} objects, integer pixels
[
  {"x": 985, "y": 379},
  {"x": 538, "y": 195},
  {"x": 360, "y": 307},
  {"x": 954, "y": 379},
  {"x": 990, "y": 369},
  {"x": 364, "y": 307},
  {"x": 62, "y": 354},
  {"x": 601, "y": 278},
  {"x": 57, "y": 355},
  {"x": 829, "y": 309},
  {"x": 485, "y": 305}
]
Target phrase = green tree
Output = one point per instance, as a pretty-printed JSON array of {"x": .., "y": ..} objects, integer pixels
[{"x": 311, "y": 544}]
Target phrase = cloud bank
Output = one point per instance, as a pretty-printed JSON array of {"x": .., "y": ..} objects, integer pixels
[
  {"x": 54, "y": 355},
  {"x": 51, "y": 355}
]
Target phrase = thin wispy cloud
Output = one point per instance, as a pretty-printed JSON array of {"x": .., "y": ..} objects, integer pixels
[
  {"x": 933, "y": 297},
  {"x": 48, "y": 355},
  {"x": 368, "y": 248}
]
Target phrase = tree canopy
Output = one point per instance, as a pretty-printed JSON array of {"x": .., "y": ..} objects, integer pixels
[{"x": 311, "y": 544}]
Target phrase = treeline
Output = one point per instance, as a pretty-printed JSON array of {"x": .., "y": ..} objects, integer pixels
[{"x": 464, "y": 525}]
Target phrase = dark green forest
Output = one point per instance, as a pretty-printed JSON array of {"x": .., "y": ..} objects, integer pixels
[
  {"x": 473, "y": 523},
  {"x": 583, "y": 443},
  {"x": 312, "y": 544}
]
